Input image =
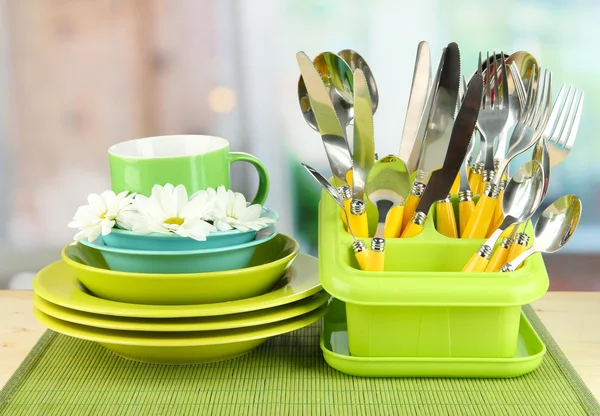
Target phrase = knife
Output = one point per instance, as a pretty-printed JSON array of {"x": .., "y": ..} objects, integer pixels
[
  {"x": 330, "y": 128},
  {"x": 410, "y": 147},
  {"x": 363, "y": 154},
  {"x": 437, "y": 127},
  {"x": 441, "y": 180}
]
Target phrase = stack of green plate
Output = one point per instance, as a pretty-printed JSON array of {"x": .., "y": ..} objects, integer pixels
[{"x": 177, "y": 333}]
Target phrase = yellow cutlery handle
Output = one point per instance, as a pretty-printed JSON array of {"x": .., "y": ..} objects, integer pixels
[
  {"x": 498, "y": 216},
  {"x": 349, "y": 178},
  {"x": 359, "y": 224},
  {"x": 465, "y": 209},
  {"x": 515, "y": 250},
  {"x": 393, "y": 222},
  {"x": 508, "y": 232},
  {"x": 347, "y": 205},
  {"x": 498, "y": 259},
  {"x": 475, "y": 264},
  {"x": 410, "y": 206},
  {"x": 455, "y": 186},
  {"x": 362, "y": 257},
  {"x": 482, "y": 185},
  {"x": 446, "y": 220},
  {"x": 412, "y": 230},
  {"x": 376, "y": 261},
  {"x": 481, "y": 218},
  {"x": 475, "y": 182}
]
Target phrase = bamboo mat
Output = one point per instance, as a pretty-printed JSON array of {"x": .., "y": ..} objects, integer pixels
[{"x": 285, "y": 376}]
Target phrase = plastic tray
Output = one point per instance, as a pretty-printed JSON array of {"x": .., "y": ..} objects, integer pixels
[
  {"x": 422, "y": 305},
  {"x": 334, "y": 343}
]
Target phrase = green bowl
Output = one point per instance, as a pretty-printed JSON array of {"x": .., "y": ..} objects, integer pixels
[{"x": 269, "y": 262}]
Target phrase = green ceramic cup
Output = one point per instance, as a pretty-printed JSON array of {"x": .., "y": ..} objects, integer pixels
[{"x": 195, "y": 161}]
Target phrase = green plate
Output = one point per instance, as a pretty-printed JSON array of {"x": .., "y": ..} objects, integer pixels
[
  {"x": 181, "y": 347},
  {"x": 58, "y": 284},
  {"x": 334, "y": 343},
  {"x": 241, "y": 320}
]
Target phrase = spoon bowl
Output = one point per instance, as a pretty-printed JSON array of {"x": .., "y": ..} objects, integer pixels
[
  {"x": 556, "y": 224},
  {"x": 387, "y": 186},
  {"x": 355, "y": 61},
  {"x": 523, "y": 194},
  {"x": 553, "y": 230}
]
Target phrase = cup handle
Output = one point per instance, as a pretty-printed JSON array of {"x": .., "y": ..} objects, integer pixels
[{"x": 263, "y": 175}]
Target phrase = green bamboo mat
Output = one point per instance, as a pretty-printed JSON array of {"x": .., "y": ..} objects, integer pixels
[{"x": 285, "y": 376}]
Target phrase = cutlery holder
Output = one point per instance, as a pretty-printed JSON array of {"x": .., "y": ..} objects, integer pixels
[{"x": 422, "y": 305}]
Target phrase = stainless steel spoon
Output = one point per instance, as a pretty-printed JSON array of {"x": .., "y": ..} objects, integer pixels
[
  {"x": 355, "y": 61},
  {"x": 553, "y": 230},
  {"x": 338, "y": 78},
  {"x": 522, "y": 197}
]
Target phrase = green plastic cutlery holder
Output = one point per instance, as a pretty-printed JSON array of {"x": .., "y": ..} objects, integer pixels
[{"x": 422, "y": 305}]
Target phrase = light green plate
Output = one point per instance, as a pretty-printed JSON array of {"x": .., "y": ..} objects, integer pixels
[
  {"x": 181, "y": 347},
  {"x": 334, "y": 343},
  {"x": 58, "y": 284},
  {"x": 240, "y": 320}
]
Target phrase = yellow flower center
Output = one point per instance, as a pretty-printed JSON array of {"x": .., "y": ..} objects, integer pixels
[{"x": 174, "y": 221}]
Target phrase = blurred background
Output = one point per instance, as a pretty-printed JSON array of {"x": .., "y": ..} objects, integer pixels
[{"x": 78, "y": 76}]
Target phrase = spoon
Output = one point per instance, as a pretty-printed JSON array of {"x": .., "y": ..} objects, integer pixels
[
  {"x": 524, "y": 62},
  {"x": 339, "y": 80},
  {"x": 387, "y": 186},
  {"x": 355, "y": 61},
  {"x": 553, "y": 230},
  {"x": 522, "y": 197},
  {"x": 358, "y": 246}
]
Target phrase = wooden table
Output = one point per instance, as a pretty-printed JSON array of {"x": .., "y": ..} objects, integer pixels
[{"x": 573, "y": 319}]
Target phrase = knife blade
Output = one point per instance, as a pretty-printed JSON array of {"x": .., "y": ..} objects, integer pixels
[
  {"x": 330, "y": 128},
  {"x": 441, "y": 180},
  {"x": 410, "y": 147},
  {"x": 364, "y": 141},
  {"x": 441, "y": 116}
]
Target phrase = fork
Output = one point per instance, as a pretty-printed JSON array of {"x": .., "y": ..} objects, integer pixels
[
  {"x": 494, "y": 111},
  {"x": 554, "y": 146},
  {"x": 529, "y": 128},
  {"x": 561, "y": 130}
]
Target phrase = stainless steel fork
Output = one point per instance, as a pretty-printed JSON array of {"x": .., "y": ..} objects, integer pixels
[
  {"x": 561, "y": 131},
  {"x": 495, "y": 109}
]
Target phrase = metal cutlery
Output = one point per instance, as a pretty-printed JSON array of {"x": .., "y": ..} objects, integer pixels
[
  {"x": 355, "y": 61},
  {"x": 360, "y": 250},
  {"x": 388, "y": 185},
  {"x": 410, "y": 146},
  {"x": 328, "y": 124},
  {"x": 437, "y": 124},
  {"x": 337, "y": 76},
  {"x": 553, "y": 229},
  {"x": 522, "y": 196},
  {"x": 531, "y": 124},
  {"x": 441, "y": 180}
]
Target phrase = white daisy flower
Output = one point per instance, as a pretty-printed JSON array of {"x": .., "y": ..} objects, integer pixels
[
  {"x": 230, "y": 211},
  {"x": 102, "y": 213},
  {"x": 168, "y": 211}
]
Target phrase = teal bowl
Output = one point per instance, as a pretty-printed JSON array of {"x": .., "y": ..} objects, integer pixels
[
  {"x": 182, "y": 261},
  {"x": 129, "y": 240}
]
